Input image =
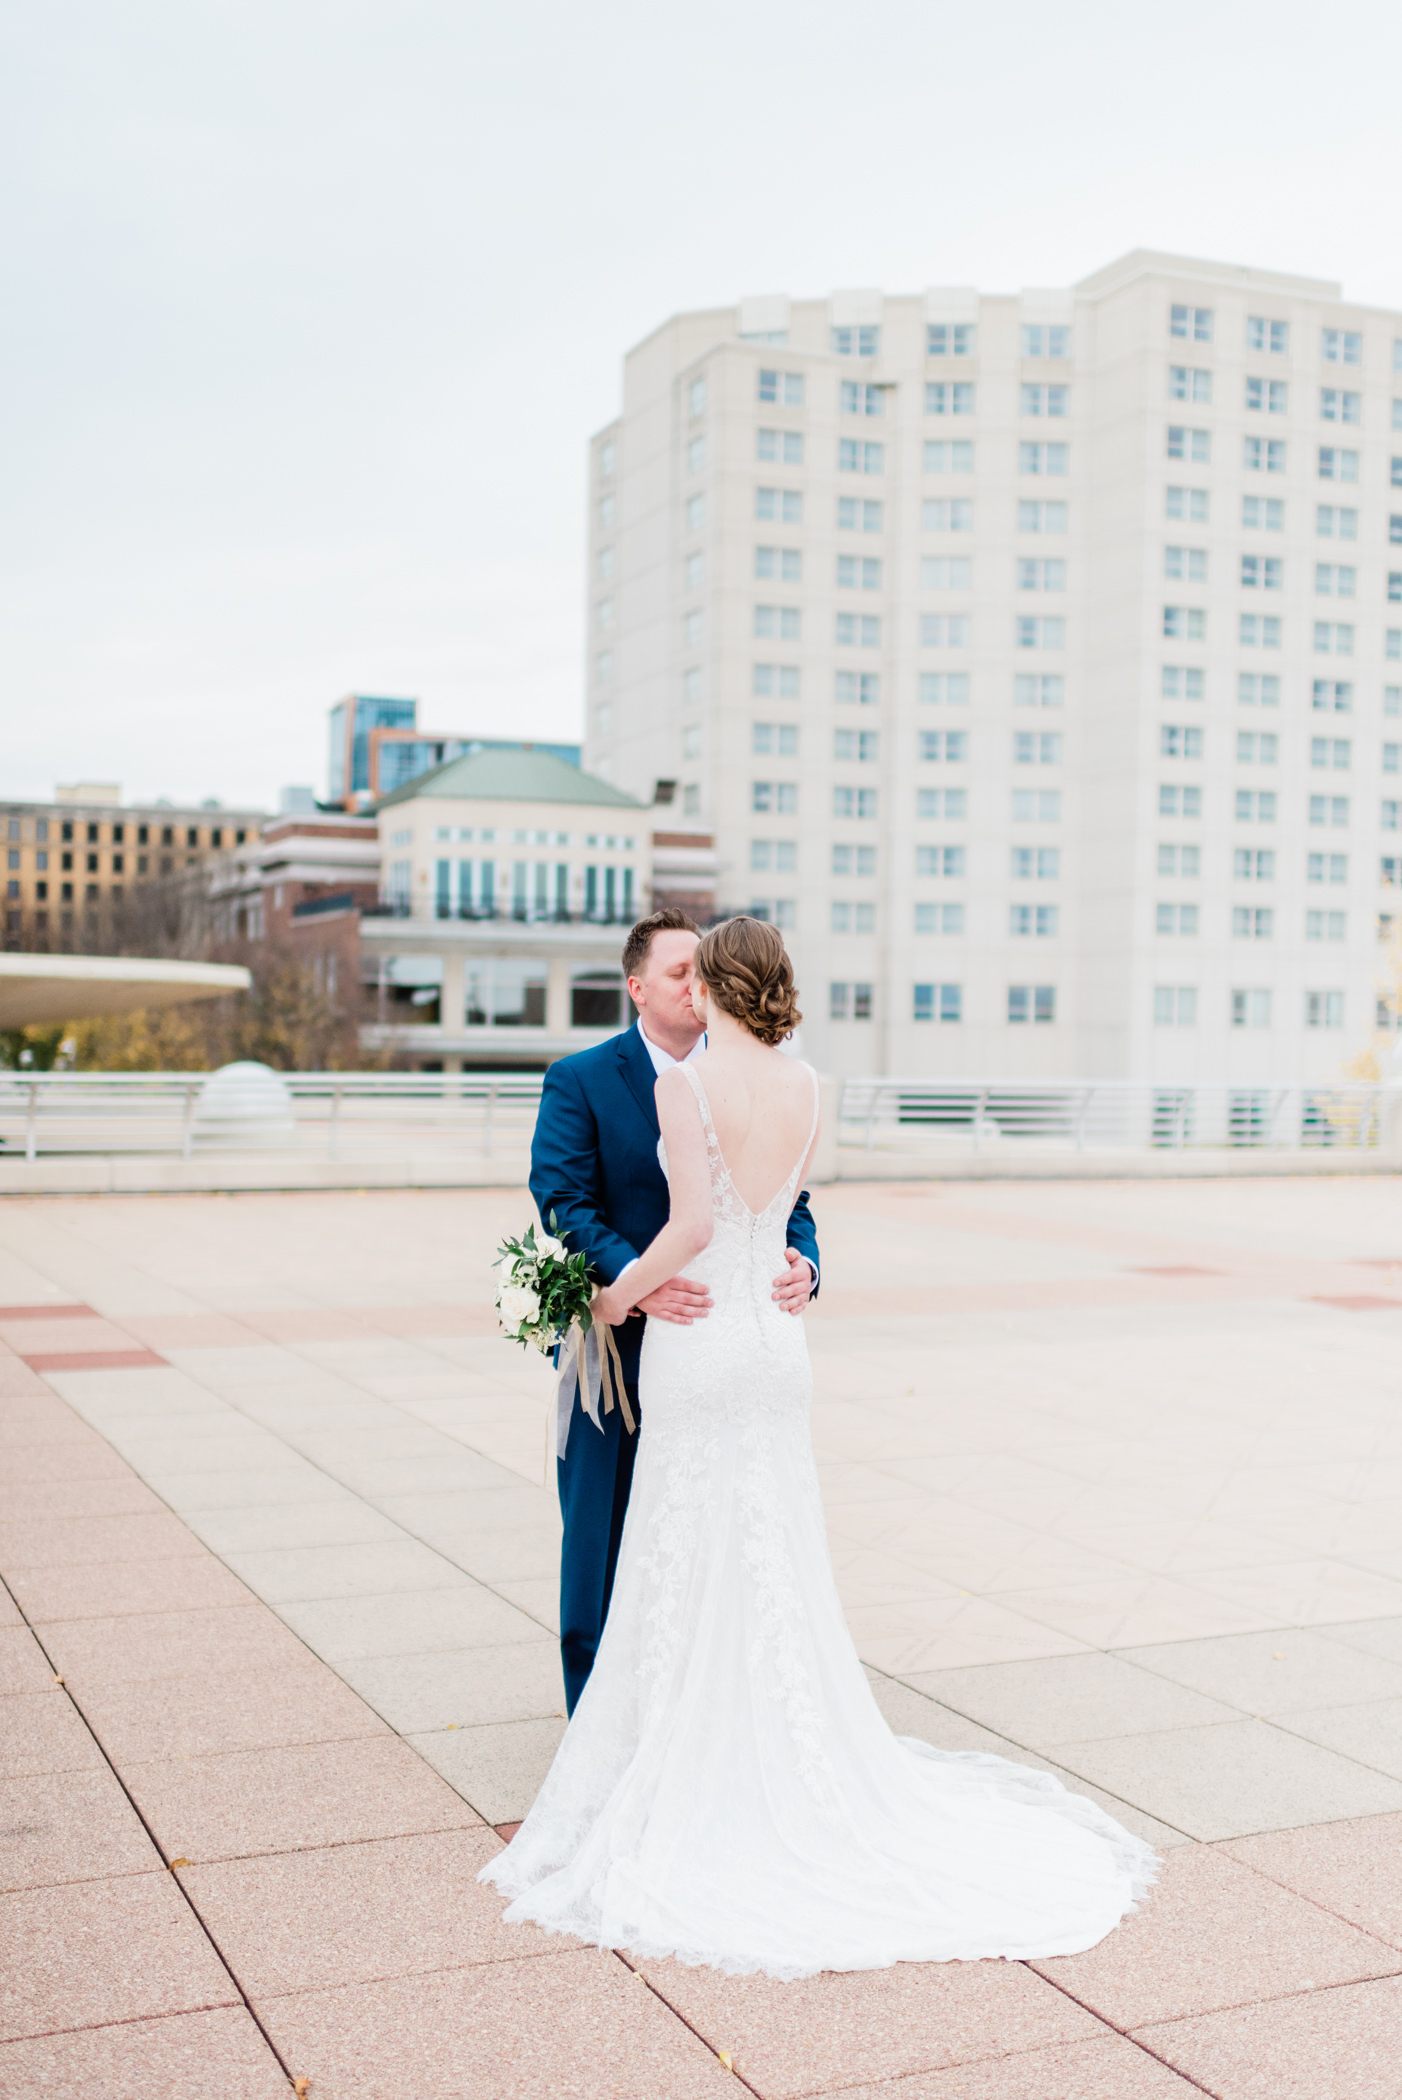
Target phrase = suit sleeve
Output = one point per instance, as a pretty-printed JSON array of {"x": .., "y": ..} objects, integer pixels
[
  {"x": 565, "y": 1174},
  {"x": 803, "y": 1234}
]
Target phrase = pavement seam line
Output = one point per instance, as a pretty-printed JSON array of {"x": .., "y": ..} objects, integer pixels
[
  {"x": 1123, "y": 2032},
  {"x": 666, "y": 2002}
]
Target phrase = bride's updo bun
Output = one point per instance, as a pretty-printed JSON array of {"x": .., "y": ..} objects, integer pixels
[{"x": 745, "y": 968}]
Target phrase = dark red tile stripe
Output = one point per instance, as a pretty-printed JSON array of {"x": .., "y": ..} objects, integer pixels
[
  {"x": 92, "y": 1360},
  {"x": 506, "y": 1831},
  {"x": 48, "y": 1312}
]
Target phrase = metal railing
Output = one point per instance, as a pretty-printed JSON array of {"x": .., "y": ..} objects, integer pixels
[
  {"x": 361, "y": 1116},
  {"x": 911, "y": 1115},
  {"x": 335, "y": 1115}
]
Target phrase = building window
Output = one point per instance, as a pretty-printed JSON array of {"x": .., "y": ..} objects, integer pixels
[
  {"x": 859, "y": 514},
  {"x": 1039, "y": 517},
  {"x": 949, "y": 397},
  {"x": 949, "y": 456},
  {"x": 1040, "y": 575},
  {"x": 854, "y": 860},
  {"x": 1338, "y": 405},
  {"x": 1193, "y": 445},
  {"x": 1032, "y": 921},
  {"x": 1263, "y": 513},
  {"x": 1176, "y": 742},
  {"x": 1185, "y": 564},
  {"x": 1036, "y": 863},
  {"x": 1335, "y": 580},
  {"x": 1338, "y": 463},
  {"x": 946, "y": 572},
  {"x": 1029, "y": 632},
  {"x": 1341, "y": 346},
  {"x": 845, "y": 917},
  {"x": 774, "y": 681},
  {"x": 859, "y": 572},
  {"x": 1177, "y": 801},
  {"x": 1251, "y": 1009},
  {"x": 862, "y": 341},
  {"x": 784, "y": 446},
  {"x": 1184, "y": 623},
  {"x": 781, "y": 564},
  {"x": 857, "y": 688},
  {"x": 950, "y": 803},
  {"x": 856, "y": 746},
  {"x": 940, "y": 861},
  {"x": 1176, "y": 919},
  {"x": 948, "y": 747},
  {"x": 1265, "y": 455},
  {"x": 945, "y": 630},
  {"x": 696, "y": 455},
  {"x": 1043, "y": 459},
  {"x": 777, "y": 622},
  {"x": 1038, "y": 689},
  {"x": 1040, "y": 339},
  {"x": 1268, "y": 396},
  {"x": 1253, "y": 922},
  {"x": 779, "y": 506},
  {"x": 695, "y": 512},
  {"x": 937, "y": 1002},
  {"x": 1175, "y": 1006},
  {"x": 856, "y": 399},
  {"x": 1271, "y": 336},
  {"x": 1259, "y": 631},
  {"x": 1333, "y": 867},
  {"x": 773, "y": 739},
  {"x": 1326, "y": 925},
  {"x": 858, "y": 630},
  {"x": 1254, "y": 865},
  {"x": 949, "y": 339},
  {"x": 1336, "y": 522},
  {"x": 1031, "y": 1002},
  {"x": 1032, "y": 747},
  {"x": 1255, "y": 747},
  {"x": 1191, "y": 324},
  {"x": 1185, "y": 383},
  {"x": 1265, "y": 572},
  {"x": 1324, "y": 1009},
  {"x": 1046, "y": 400},
  {"x": 1182, "y": 681},
  {"x": 1255, "y": 805},
  {"x": 1333, "y": 811},
  {"x": 777, "y": 796},
  {"x": 854, "y": 802},
  {"x": 1036, "y": 805},
  {"x": 1333, "y": 638},
  {"x": 944, "y": 688},
  {"x": 1180, "y": 860},
  {"x": 858, "y": 456},
  {"x": 1334, "y": 753},
  {"x": 1190, "y": 505},
  {"x": 782, "y": 387},
  {"x": 849, "y": 1002}
]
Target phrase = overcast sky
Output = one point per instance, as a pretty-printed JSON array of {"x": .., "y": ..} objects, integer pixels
[{"x": 309, "y": 306}]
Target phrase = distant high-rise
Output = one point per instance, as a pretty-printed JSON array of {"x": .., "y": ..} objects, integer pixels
[
  {"x": 376, "y": 747},
  {"x": 1036, "y": 660}
]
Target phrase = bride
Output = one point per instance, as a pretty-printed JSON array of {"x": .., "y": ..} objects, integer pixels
[{"x": 727, "y": 1791}]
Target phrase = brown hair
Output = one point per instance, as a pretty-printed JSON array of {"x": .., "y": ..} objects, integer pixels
[
  {"x": 638, "y": 946},
  {"x": 745, "y": 967}
]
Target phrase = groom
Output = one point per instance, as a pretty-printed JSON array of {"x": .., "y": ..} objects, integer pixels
[{"x": 594, "y": 1163}]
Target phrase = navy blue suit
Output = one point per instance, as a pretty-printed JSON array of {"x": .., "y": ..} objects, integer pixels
[{"x": 594, "y": 1163}]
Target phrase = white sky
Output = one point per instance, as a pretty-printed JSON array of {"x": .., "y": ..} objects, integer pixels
[{"x": 309, "y": 306}]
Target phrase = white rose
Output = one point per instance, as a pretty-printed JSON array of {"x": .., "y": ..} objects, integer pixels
[
  {"x": 518, "y": 1307},
  {"x": 551, "y": 1249}
]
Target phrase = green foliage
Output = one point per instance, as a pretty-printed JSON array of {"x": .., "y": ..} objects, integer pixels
[{"x": 42, "y": 1045}]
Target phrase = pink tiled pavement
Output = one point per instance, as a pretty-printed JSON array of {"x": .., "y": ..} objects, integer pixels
[
  {"x": 1322, "y": 2045},
  {"x": 85, "y": 1953},
  {"x": 1113, "y": 2068},
  {"x": 218, "y": 2055}
]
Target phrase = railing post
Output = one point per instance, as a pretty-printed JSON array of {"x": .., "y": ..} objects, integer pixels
[
  {"x": 187, "y": 1138},
  {"x": 31, "y": 1135},
  {"x": 1081, "y": 1116},
  {"x": 980, "y": 1102},
  {"x": 871, "y": 1119},
  {"x": 487, "y": 1120},
  {"x": 333, "y": 1134}
]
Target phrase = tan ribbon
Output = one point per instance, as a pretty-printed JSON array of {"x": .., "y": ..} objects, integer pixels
[{"x": 598, "y": 1370}]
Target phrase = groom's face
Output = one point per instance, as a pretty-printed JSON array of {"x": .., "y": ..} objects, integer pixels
[{"x": 662, "y": 989}]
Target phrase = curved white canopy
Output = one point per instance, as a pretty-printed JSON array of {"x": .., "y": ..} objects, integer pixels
[{"x": 40, "y": 990}]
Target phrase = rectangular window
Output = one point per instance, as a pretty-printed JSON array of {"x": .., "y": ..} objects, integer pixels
[
  {"x": 1038, "y": 689},
  {"x": 1331, "y": 867},
  {"x": 1185, "y": 564},
  {"x": 858, "y": 572},
  {"x": 1187, "y": 383},
  {"x": 1040, "y": 339},
  {"x": 779, "y": 854},
  {"x": 1031, "y": 1002},
  {"x": 1046, "y": 400},
  {"x": 1043, "y": 517},
  {"x": 1265, "y": 572},
  {"x": 1251, "y": 1009},
  {"x": 1338, "y": 405},
  {"x": 857, "y": 688},
  {"x": 785, "y": 446},
  {"x": 1326, "y": 925},
  {"x": 1193, "y": 445},
  {"x": 944, "y": 688},
  {"x": 785, "y": 387},
  {"x": 774, "y": 739},
  {"x": 779, "y": 797},
  {"x": 1333, "y": 638},
  {"x": 1176, "y": 919},
  {"x": 856, "y": 456},
  {"x": 943, "y": 746},
  {"x": 1337, "y": 463},
  {"x": 696, "y": 455},
  {"x": 1184, "y": 623},
  {"x": 858, "y": 630},
  {"x": 1329, "y": 809},
  {"x": 859, "y": 514},
  {"x": 1191, "y": 324},
  {"x": 1392, "y": 763},
  {"x": 1191, "y": 505},
  {"x": 845, "y": 917},
  {"x": 779, "y": 564},
  {"x": 946, "y": 572},
  {"x": 774, "y": 681},
  {"x": 1036, "y": 863},
  {"x": 1269, "y": 396},
  {"x": 937, "y": 1002},
  {"x": 946, "y": 861},
  {"x": 1035, "y": 921},
  {"x": 1253, "y": 923},
  {"x": 856, "y": 746},
  {"x": 944, "y": 630},
  {"x": 1265, "y": 455},
  {"x": 1255, "y": 748},
  {"x": 950, "y": 803},
  {"x": 1176, "y": 742},
  {"x": 1255, "y": 806},
  {"x": 1036, "y": 805},
  {"x": 854, "y": 802},
  {"x": 949, "y": 456},
  {"x": 1335, "y": 753},
  {"x": 1324, "y": 1009},
  {"x": 945, "y": 397},
  {"x": 1182, "y": 681},
  {"x": 779, "y": 506},
  {"x": 856, "y": 399},
  {"x": 1043, "y": 459},
  {"x": 1032, "y": 747},
  {"x": 1032, "y": 633},
  {"x": 1272, "y": 336},
  {"x": 1335, "y": 579},
  {"x": 1040, "y": 575},
  {"x": 1263, "y": 513},
  {"x": 1341, "y": 346},
  {"x": 1259, "y": 631},
  {"x": 854, "y": 860},
  {"x": 947, "y": 514},
  {"x": 864, "y": 341},
  {"x": 1334, "y": 521},
  {"x": 949, "y": 339},
  {"x": 1253, "y": 865},
  {"x": 1258, "y": 688},
  {"x": 781, "y": 622},
  {"x": 1175, "y": 1006}
]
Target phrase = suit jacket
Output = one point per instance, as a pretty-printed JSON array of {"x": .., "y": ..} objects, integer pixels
[{"x": 594, "y": 1163}]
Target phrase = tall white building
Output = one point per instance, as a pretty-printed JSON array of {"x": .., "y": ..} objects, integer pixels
[{"x": 1035, "y": 660}]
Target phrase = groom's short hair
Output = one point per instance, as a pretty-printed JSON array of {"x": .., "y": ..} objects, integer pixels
[{"x": 638, "y": 946}]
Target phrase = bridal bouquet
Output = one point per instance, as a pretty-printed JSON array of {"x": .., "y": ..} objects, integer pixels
[{"x": 542, "y": 1289}]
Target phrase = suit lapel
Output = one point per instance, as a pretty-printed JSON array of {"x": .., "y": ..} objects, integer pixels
[{"x": 636, "y": 1067}]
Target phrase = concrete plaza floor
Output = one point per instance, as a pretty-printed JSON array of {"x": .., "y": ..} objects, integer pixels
[{"x": 1114, "y": 1485}]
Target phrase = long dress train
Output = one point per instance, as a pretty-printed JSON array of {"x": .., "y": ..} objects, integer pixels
[{"x": 727, "y": 1791}]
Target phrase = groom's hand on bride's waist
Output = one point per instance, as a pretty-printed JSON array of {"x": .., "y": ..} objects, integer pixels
[
  {"x": 794, "y": 1288},
  {"x": 680, "y": 1300}
]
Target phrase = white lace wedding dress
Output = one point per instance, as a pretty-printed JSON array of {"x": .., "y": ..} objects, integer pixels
[{"x": 727, "y": 1791}]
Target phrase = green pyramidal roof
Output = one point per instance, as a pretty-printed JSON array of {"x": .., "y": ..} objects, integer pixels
[{"x": 511, "y": 776}]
